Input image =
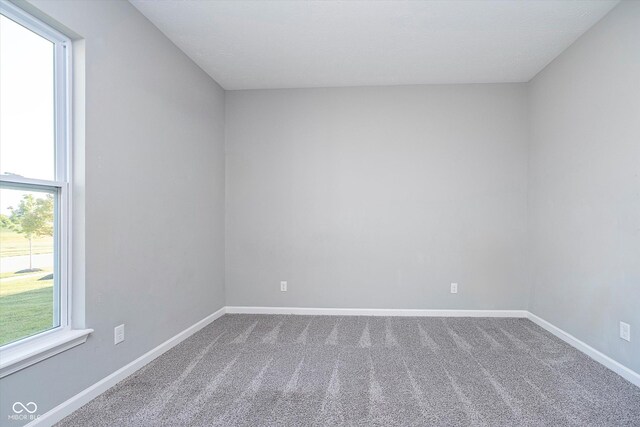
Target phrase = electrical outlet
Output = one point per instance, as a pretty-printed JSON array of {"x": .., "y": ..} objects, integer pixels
[
  {"x": 454, "y": 288},
  {"x": 625, "y": 331},
  {"x": 283, "y": 286},
  {"x": 118, "y": 334}
]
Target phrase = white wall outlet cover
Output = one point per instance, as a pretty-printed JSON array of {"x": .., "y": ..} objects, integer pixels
[
  {"x": 625, "y": 331},
  {"x": 118, "y": 334},
  {"x": 454, "y": 288},
  {"x": 283, "y": 286}
]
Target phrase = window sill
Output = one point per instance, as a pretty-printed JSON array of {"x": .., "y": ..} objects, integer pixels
[{"x": 26, "y": 354}]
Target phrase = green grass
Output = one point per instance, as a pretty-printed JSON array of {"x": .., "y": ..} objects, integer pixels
[
  {"x": 26, "y": 304},
  {"x": 12, "y": 274},
  {"x": 14, "y": 244},
  {"x": 26, "y": 308}
]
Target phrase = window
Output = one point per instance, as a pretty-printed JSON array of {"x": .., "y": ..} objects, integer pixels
[{"x": 34, "y": 180}]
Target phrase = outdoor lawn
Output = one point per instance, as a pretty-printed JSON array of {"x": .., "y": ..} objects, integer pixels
[
  {"x": 26, "y": 303},
  {"x": 14, "y": 244},
  {"x": 26, "y": 306}
]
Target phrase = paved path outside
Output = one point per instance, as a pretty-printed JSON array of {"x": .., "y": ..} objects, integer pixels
[{"x": 12, "y": 264}]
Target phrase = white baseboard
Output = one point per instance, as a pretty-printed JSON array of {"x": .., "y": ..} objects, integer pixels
[
  {"x": 626, "y": 373},
  {"x": 375, "y": 312},
  {"x": 88, "y": 394},
  {"x": 74, "y": 403}
]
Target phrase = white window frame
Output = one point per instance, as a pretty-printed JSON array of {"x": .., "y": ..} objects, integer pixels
[{"x": 26, "y": 351}]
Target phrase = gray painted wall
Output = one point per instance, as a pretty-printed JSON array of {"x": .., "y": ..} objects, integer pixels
[
  {"x": 154, "y": 189},
  {"x": 585, "y": 187},
  {"x": 377, "y": 197}
]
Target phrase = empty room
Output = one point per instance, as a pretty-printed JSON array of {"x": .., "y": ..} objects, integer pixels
[{"x": 319, "y": 213}]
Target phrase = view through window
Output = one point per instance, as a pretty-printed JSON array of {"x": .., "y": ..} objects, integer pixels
[{"x": 33, "y": 180}]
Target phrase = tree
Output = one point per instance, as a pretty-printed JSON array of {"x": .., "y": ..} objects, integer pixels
[
  {"x": 32, "y": 218},
  {"x": 6, "y": 223}
]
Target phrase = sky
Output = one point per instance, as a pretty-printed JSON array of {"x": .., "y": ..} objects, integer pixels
[{"x": 26, "y": 107}]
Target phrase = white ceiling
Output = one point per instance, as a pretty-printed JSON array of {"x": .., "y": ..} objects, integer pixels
[{"x": 287, "y": 44}]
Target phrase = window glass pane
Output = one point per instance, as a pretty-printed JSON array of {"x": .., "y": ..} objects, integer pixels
[
  {"x": 28, "y": 297},
  {"x": 26, "y": 102}
]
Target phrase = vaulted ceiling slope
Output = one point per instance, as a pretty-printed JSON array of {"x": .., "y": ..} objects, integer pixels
[{"x": 290, "y": 44}]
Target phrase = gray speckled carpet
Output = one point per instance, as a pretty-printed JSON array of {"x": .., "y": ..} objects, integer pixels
[{"x": 267, "y": 370}]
